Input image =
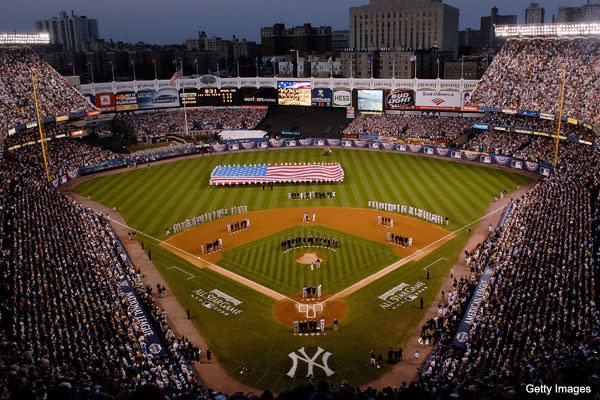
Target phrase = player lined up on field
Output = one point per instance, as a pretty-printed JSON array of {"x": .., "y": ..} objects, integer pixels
[
  {"x": 409, "y": 210},
  {"x": 206, "y": 217}
]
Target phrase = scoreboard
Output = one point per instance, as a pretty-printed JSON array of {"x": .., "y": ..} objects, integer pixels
[
  {"x": 210, "y": 97},
  {"x": 295, "y": 97}
]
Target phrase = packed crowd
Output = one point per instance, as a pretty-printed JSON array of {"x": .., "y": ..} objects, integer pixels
[
  {"x": 526, "y": 74},
  {"x": 159, "y": 153},
  {"x": 538, "y": 125},
  {"x": 67, "y": 330},
  {"x": 440, "y": 130},
  {"x": 17, "y": 104},
  {"x": 33, "y": 134},
  {"x": 538, "y": 322},
  {"x": 159, "y": 122},
  {"x": 521, "y": 146},
  {"x": 64, "y": 156}
]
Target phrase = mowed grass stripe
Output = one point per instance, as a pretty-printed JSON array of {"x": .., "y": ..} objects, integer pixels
[
  {"x": 156, "y": 198},
  {"x": 441, "y": 192}
]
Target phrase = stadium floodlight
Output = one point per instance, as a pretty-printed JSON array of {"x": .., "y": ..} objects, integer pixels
[
  {"x": 24, "y": 38},
  {"x": 548, "y": 30}
]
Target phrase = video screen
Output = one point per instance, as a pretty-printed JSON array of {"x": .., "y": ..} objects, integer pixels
[
  {"x": 370, "y": 100},
  {"x": 295, "y": 97}
]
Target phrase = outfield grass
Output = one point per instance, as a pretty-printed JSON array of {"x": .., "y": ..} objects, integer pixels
[
  {"x": 263, "y": 261},
  {"x": 152, "y": 198}
]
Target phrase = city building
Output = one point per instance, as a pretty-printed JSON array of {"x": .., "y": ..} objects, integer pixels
[
  {"x": 306, "y": 39},
  {"x": 404, "y": 24},
  {"x": 469, "y": 41},
  {"x": 534, "y": 14},
  {"x": 340, "y": 40},
  {"x": 589, "y": 12},
  {"x": 396, "y": 64},
  {"x": 488, "y": 34},
  {"x": 73, "y": 32}
]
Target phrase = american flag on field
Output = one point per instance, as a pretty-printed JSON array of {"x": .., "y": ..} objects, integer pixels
[
  {"x": 276, "y": 173},
  {"x": 178, "y": 74}
]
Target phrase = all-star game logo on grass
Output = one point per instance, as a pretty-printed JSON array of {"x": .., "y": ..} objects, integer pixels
[
  {"x": 218, "y": 301},
  {"x": 401, "y": 294}
]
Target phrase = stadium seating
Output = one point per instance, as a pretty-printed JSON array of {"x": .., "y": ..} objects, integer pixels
[
  {"x": 526, "y": 75},
  {"x": 17, "y": 105},
  {"x": 67, "y": 331},
  {"x": 438, "y": 131},
  {"x": 151, "y": 123}
]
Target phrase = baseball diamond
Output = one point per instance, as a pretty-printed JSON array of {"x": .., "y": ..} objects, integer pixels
[
  {"x": 269, "y": 283},
  {"x": 338, "y": 220}
]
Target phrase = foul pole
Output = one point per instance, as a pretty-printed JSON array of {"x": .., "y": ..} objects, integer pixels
[
  {"x": 184, "y": 107},
  {"x": 562, "y": 98},
  {"x": 42, "y": 136}
]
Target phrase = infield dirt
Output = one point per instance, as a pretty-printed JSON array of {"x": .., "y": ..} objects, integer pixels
[{"x": 356, "y": 221}]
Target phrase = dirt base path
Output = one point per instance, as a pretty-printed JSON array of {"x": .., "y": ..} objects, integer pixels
[
  {"x": 210, "y": 373},
  {"x": 407, "y": 370}
]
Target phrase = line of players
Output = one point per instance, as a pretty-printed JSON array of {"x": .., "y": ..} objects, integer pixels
[
  {"x": 385, "y": 221},
  {"x": 301, "y": 241},
  {"x": 310, "y": 292},
  {"x": 309, "y": 326},
  {"x": 212, "y": 247},
  {"x": 238, "y": 226},
  {"x": 311, "y": 195},
  {"x": 399, "y": 240}
]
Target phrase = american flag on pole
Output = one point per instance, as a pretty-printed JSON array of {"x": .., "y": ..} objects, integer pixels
[
  {"x": 275, "y": 173},
  {"x": 178, "y": 74}
]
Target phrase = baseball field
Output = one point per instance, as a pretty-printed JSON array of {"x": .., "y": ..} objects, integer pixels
[{"x": 245, "y": 297}]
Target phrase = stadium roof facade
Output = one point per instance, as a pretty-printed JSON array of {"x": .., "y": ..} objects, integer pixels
[{"x": 548, "y": 30}]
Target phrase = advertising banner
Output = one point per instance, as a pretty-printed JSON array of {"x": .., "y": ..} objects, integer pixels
[
  {"x": 399, "y": 99},
  {"x": 126, "y": 101},
  {"x": 370, "y": 100},
  {"x": 342, "y": 98},
  {"x": 293, "y": 85},
  {"x": 438, "y": 100},
  {"x": 258, "y": 96},
  {"x": 162, "y": 98},
  {"x": 151, "y": 338},
  {"x": 105, "y": 102},
  {"x": 321, "y": 97},
  {"x": 294, "y": 97},
  {"x": 462, "y": 333}
]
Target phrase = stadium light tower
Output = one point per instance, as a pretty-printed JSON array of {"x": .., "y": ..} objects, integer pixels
[
  {"x": 91, "y": 70},
  {"x": 112, "y": 68}
]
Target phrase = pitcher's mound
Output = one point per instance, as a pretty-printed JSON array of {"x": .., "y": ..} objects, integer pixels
[{"x": 310, "y": 257}]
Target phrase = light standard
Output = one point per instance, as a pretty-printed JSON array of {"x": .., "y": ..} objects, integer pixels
[
  {"x": 112, "y": 68},
  {"x": 133, "y": 65},
  {"x": 91, "y": 70}
]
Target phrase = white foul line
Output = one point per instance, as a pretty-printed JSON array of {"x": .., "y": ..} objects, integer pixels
[
  {"x": 350, "y": 289},
  {"x": 392, "y": 267},
  {"x": 222, "y": 271},
  {"x": 192, "y": 276},
  {"x": 435, "y": 262}
]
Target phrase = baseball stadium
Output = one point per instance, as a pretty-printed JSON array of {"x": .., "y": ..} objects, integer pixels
[{"x": 295, "y": 238}]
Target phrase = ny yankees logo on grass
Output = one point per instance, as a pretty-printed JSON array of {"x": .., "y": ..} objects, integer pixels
[{"x": 311, "y": 362}]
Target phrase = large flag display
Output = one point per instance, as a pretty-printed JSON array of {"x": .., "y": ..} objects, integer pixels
[{"x": 276, "y": 173}]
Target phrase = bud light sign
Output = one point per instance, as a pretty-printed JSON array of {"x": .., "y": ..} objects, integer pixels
[{"x": 399, "y": 99}]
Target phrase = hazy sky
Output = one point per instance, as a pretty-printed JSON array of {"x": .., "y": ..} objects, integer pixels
[{"x": 172, "y": 21}]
